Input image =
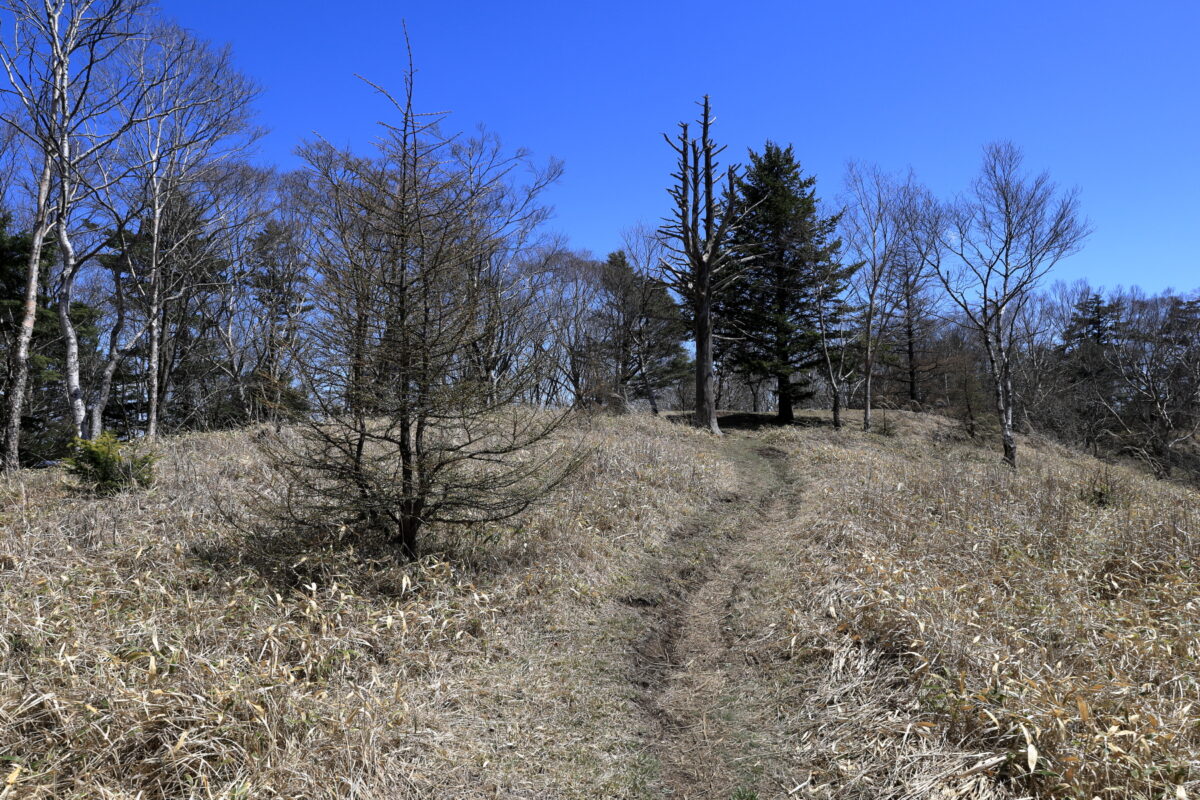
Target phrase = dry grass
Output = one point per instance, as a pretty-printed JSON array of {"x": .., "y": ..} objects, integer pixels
[
  {"x": 971, "y": 631},
  {"x": 150, "y": 650},
  {"x": 902, "y": 618}
]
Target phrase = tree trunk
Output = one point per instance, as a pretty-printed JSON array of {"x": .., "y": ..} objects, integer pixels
[
  {"x": 653, "y": 401},
  {"x": 152, "y": 377},
  {"x": 110, "y": 369},
  {"x": 970, "y": 409},
  {"x": 786, "y": 413},
  {"x": 116, "y": 354},
  {"x": 408, "y": 538},
  {"x": 837, "y": 406},
  {"x": 71, "y": 366},
  {"x": 155, "y": 313},
  {"x": 1010, "y": 445},
  {"x": 910, "y": 336},
  {"x": 1006, "y": 416},
  {"x": 646, "y": 387},
  {"x": 20, "y": 368},
  {"x": 868, "y": 363},
  {"x": 1002, "y": 392},
  {"x": 867, "y": 396},
  {"x": 706, "y": 400}
]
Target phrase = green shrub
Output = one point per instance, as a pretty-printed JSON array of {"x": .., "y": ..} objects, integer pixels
[{"x": 107, "y": 466}]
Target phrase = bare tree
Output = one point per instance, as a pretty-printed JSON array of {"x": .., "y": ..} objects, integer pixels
[
  {"x": 1035, "y": 360},
  {"x": 835, "y": 337},
  {"x": 414, "y": 257},
  {"x": 1156, "y": 356},
  {"x": 994, "y": 247},
  {"x": 86, "y": 122},
  {"x": 30, "y": 78},
  {"x": 73, "y": 102},
  {"x": 195, "y": 121},
  {"x": 273, "y": 296},
  {"x": 873, "y": 230},
  {"x": 917, "y": 310},
  {"x": 696, "y": 235},
  {"x": 570, "y": 308},
  {"x": 653, "y": 321}
]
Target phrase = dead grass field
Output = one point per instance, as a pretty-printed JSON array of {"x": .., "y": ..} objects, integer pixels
[
  {"x": 784, "y": 613},
  {"x": 135, "y": 664},
  {"x": 926, "y": 623}
]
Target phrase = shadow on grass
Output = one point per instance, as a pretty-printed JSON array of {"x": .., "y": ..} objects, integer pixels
[
  {"x": 288, "y": 557},
  {"x": 751, "y": 421},
  {"x": 295, "y": 556}
]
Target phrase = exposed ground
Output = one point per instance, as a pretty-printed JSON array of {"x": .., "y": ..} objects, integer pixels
[{"x": 785, "y": 612}]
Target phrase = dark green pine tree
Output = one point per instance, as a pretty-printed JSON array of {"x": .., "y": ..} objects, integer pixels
[
  {"x": 643, "y": 331},
  {"x": 1092, "y": 383},
  {"x": 767, "y": 322},
  {"x": 1093, "y": 325}
]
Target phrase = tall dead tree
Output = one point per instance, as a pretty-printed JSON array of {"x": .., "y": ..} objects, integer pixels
[
  {"x": 696, "y": 235},
  {"x": 994, "y": 247}
]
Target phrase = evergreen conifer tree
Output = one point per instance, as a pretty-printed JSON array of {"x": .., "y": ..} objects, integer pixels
[
  {"x": 767, "y": 322},
  {"x": 1092, "y": 383},
  {"x": 643, "y": 331}
]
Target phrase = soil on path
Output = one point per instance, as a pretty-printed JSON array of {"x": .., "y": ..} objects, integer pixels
[{"x": 689, "y": 664}]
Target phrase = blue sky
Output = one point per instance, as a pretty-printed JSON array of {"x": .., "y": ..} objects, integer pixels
[{"x": 1104, "y": 95}]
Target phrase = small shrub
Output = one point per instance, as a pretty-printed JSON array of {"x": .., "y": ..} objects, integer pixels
[
  {"x": 885, "y": 425},
  {"x": 1101, "y": 489},
  {"x": 108, "y": 466}
]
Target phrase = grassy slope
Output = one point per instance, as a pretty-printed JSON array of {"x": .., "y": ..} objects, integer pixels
[
  {"x": 928, "y": 623},
  {"x": 790, "y": 611},
  {"x": 151, "y": 649}
]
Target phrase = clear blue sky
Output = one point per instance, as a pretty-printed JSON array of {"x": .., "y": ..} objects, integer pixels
[{"x": 1104, "y": 95}]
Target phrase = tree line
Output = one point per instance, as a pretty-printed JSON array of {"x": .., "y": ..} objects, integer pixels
[{"x": 406, "y": 310}]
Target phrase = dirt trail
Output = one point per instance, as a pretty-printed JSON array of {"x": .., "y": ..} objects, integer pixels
[{"x": 687, "y": 663}]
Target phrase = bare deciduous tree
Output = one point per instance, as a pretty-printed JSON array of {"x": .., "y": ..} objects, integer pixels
[
  {"x": 414, "y": 254},
  {"x": 195, "y": 120},
  {"x": 994, "y": 247},
  {"x": 917, "y": 310},
  {"x": 876, "y": 230},
  {"x": 31, "y": 61},
  {"x": 74, "y": 100},
  {"x": 835, "y": 338},
  {"x": 1156, "y": 357}
]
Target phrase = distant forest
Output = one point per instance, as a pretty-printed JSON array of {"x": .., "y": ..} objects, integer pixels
[{"x": 153, "y": 280}]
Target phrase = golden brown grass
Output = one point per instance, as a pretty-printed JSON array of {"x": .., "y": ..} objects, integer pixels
[
  {"x": 150, "y": 650},
  {"x": 903, "y": 617},
  {"x": 979, "y": 632}
]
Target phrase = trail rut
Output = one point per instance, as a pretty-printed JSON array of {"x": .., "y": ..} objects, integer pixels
[{"x": 681, "y": 663}]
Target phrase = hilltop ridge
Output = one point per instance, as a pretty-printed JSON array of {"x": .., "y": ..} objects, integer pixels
[{"x": 787, "y": 611}]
